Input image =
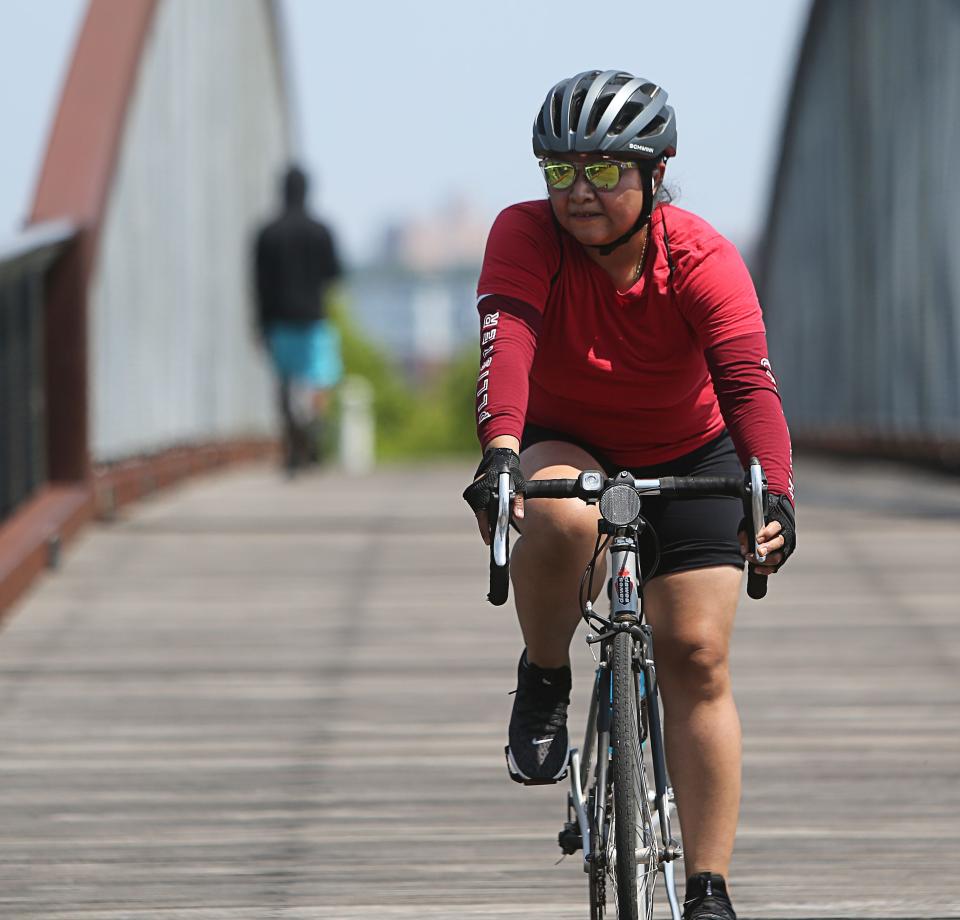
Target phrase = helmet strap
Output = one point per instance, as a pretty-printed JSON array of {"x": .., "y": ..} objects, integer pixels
[{"x": 606, "y": 248}]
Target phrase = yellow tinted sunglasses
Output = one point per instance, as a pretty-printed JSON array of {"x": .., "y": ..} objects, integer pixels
[{"x": 603, "y": 175}]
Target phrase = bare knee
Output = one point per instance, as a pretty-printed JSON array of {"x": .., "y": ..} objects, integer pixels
[
  {"x": 561, "y": 535},
  {"x": 696, "y": 671},
  {"x": 692, "y": 615}
]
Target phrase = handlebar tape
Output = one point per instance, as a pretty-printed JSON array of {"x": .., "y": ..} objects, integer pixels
[
  {"x": 669, "y": 485},
  {"x": 678, "y": 486},
  {"x": 499, "y": 584},
  {"x": 551, "y": 488},
  {"x": 499, "y": 578},
  {"x": 756, "y": 585}
]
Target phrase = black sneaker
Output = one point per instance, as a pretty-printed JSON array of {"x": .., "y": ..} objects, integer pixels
[
  {"x": 539, "y": 744},
  {"x": 707, "y": 898}
]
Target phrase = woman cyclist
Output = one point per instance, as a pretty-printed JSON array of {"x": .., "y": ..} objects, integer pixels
[{"x": 620, "y": 332}]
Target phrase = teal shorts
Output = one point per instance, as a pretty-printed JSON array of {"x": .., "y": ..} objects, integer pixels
[{"x": 306, "y": 353}]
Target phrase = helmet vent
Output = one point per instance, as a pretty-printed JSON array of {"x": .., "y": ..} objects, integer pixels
[
  {"x": 630, "y": 111},
  {"x": 576, "y": 106},
  {"x": 557, "y": 101},
  {"x": 599, "y": 108},
  {"x": 653, "y": 128}
]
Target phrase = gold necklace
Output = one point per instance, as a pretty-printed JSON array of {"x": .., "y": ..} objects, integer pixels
[{"x": 643, "y": 253}]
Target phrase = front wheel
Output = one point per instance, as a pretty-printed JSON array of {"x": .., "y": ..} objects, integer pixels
[{"x": 632, "y": 855}]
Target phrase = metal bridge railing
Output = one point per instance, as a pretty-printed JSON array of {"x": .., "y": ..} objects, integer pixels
[{"x": 24, "y": 262}]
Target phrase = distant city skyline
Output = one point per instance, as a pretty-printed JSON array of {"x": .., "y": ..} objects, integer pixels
[{"x": 397, "y": 118}]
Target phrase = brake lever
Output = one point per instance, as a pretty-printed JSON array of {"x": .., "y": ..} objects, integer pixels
[
  {"x": 505, "y": 496},
  {"x": 758, "y": 494},
  {"x": 756, "y": 583},
  {"x": 500, "y": 544}
]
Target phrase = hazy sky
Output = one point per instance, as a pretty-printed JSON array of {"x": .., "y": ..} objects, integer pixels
[
  {"x": 36, "y": 41},
  {"x": 402, "y": 106}
]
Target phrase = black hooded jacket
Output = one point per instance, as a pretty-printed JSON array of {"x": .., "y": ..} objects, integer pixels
[{"x": 296, "y": 261}]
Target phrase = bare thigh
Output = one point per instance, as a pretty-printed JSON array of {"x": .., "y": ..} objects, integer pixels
[
  {"x": 558, "y": 537},
  {"x": 564, "y": 528}
]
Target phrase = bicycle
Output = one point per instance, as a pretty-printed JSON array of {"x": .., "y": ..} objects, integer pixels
[{"x": 614, "y": 816}]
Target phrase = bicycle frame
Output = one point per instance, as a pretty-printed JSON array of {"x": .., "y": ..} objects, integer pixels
[
  {"x": 626, "y": 597},
  {"x": 620, "y": 501}
]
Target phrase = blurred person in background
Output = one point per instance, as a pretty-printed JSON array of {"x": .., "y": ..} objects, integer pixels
[
  {"x": 619, "y": 332},
  {"x": 296, "y": 263}
]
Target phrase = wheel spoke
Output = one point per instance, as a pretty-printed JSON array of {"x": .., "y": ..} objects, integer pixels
[{"x": 624, "y": 880}]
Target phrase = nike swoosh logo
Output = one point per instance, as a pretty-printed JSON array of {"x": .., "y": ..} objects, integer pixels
[{"x": 541, "y": 740}]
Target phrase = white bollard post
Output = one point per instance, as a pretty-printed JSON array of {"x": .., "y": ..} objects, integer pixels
[{"x": 356, "y": 425}]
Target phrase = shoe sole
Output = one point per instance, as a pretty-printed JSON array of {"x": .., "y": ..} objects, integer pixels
[{"x": 518, "y": 776}]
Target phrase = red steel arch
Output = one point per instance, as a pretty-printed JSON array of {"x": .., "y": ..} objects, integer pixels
[
  {"x": 74, "y": 184},
  {"x": 85, "y": 140}
]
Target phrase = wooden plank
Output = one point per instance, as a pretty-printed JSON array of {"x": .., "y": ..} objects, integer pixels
[{"x": 256, "y": 699}]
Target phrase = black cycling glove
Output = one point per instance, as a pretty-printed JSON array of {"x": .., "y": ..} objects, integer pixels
[
  {"x": 779, "y": 509},
  {"x": 482, "y": 492}
]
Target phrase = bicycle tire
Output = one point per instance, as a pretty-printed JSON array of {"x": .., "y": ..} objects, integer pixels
[
  {"x": 597, "y": 895},
  {"x": 632, "y": 830}
]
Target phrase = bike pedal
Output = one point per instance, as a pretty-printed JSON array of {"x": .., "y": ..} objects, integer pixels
[{"x": 569, "y": 839}]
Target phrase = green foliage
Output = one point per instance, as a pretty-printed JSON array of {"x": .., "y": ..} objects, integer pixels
[
  {"x": 442, "y": 420},
  {"x": 431, "y": 420}
]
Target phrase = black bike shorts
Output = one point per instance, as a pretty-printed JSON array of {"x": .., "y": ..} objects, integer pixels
[{"x": 693, "y": 533}]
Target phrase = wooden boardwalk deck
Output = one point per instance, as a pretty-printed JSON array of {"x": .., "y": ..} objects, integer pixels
[{"x": 254, "y": 699}]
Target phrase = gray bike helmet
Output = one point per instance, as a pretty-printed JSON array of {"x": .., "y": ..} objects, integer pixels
[{"x": 611, "y": 113}]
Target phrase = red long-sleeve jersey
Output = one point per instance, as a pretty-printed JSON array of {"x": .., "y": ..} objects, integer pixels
[{"x": 646, "y": 375}]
